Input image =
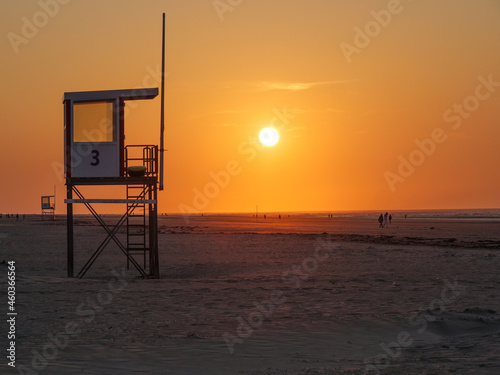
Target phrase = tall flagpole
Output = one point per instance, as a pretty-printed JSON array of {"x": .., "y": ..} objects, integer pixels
[{"x": 162, "y": 119}]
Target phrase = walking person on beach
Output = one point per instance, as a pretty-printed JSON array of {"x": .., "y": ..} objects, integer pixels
[
  {"x": 385, "y": 219},
  {"x": 380, "y": 221},
  {"x": 390, "y": 219}
]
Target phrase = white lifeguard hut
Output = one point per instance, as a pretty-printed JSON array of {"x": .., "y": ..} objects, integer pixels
[{"x": 95, "y": 132}]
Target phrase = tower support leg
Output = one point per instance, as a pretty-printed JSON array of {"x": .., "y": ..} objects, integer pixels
[
  {"x": 154, "y": 267},
  {"x": 69, "y": 223}
]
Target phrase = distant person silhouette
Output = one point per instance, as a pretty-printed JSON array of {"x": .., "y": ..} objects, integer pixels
[
  {"x": 380, "y": 221},
  {"x": 390, "y": 219},
  {"x": 385, "y": 219}
]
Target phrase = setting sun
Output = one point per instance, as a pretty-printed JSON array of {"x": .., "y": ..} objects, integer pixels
[{"x": 269, "y": 137}]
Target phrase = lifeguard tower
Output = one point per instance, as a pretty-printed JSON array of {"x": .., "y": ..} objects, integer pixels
[
  {"x": 48, "y": 207},
  {"x": 96, "y": 155}
]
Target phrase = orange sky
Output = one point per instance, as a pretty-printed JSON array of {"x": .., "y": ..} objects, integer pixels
[{"x": 349, "y": 107}]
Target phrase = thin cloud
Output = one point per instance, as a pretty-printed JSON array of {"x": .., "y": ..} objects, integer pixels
[
  {"x": 230, "y": 112},
  {"x": 296, "y": 86},
  {"x": 197, "y": 116},
  {"x": 317, "y": 110}
]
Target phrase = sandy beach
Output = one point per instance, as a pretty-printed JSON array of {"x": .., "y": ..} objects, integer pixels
[{"x": 305, "y": 294}]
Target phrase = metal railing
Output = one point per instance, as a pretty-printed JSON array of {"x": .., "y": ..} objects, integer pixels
[{"x": 142, "y": 155}]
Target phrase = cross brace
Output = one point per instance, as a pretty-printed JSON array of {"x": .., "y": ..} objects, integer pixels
[{"x": 111, "y": 235}]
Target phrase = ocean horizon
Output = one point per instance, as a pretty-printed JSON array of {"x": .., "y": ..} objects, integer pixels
[
  {"x": 468, "y": 213},
  {"x": 413, "y": 213}
]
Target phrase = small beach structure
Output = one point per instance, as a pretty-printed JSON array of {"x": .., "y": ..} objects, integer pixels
[
  {"x": 48, "y": 207},
  {"x": 96, "y": 156}
]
